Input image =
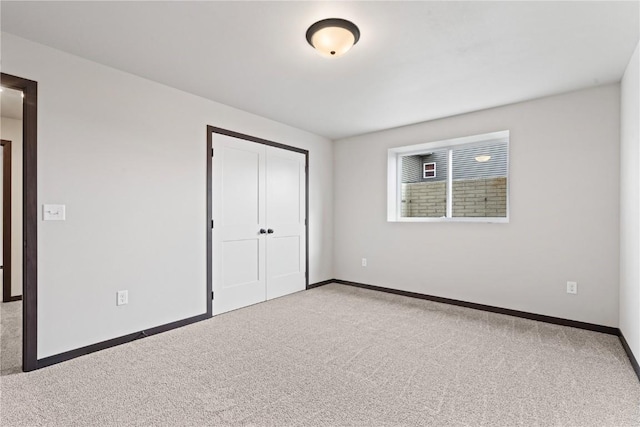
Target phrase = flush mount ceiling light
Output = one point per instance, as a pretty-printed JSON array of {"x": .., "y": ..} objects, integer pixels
[
  {"x": 333, "y": 37},
  {"x": 483, "y": 158}
]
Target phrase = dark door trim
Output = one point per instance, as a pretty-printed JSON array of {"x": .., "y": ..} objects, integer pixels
[
  {"x": 210, "y": 131},
  {"x": 6, "y": 223},
  {"x": 30, "y": 216}
]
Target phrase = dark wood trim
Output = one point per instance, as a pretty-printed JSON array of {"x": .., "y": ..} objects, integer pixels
[
  {"x": 632, "y": 359},
  {"x": 72, "y": 354},
  {"x": 523, "y": 314},
  {"x": 14, "y": 298},
  {"x": 209, "y": 224},
  {"x": 255, "y": 139},
  {"x": 318, "y": 284},
  {"x": 6, "y": 220},
  {"x": 30, "y": 216},
  {"x": 210, "y": 131},
  {"x": 306, "y": 219}
]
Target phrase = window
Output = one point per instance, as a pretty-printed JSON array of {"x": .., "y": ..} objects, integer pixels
[
  {"x": 471, "y": 184},
  {"x": 428, "y": 170}
]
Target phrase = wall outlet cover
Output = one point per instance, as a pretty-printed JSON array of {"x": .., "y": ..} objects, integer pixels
[{"x": 122, "y": 297}]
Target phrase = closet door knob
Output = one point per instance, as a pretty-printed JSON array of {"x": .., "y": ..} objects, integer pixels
[
  {"x": 270, "y": 231},
  {"x": 263, "y": 231}
]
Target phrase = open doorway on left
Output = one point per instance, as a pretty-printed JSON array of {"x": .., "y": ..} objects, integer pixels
[{"x": 11, "y": 134}]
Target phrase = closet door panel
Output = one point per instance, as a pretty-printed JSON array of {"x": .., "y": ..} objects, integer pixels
[
  {"x": 285, "y": 176},
  {"x": 239, "y": 258}
]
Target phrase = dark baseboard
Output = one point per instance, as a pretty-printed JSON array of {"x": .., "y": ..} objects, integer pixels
[
  {"x": 72, "y": 354},
  {"x": 516, "y": 313},
  {"x": 14, "y": 298},
  {"x": 523, "y": 314},
  {"x": 51, "y": 360},
  {"x": 325, "y": 282},
  {"x": 632, "y": 358}
]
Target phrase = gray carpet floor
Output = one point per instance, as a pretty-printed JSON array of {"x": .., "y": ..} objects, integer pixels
[
  {"x": 10, "y": 339},
  {"x": 334, "y": 356}
]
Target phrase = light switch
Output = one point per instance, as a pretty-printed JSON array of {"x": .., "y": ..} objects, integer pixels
[{"x": 53, "y": 212}]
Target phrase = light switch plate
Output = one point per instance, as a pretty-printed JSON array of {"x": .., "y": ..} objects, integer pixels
[{"x": 53, "y": 212}]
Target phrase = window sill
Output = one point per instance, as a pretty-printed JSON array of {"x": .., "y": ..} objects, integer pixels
[{"x": 500, "y": 220}]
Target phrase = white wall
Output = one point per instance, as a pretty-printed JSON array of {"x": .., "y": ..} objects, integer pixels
[
  {"x": 564, "y": 160},
  {"x": 128, "y": 158},
  {"x": 630, "y": 204},
  {"x": 11, "y": 129}
]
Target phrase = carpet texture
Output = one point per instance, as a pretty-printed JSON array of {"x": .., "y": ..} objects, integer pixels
[
  {"x": 337, "y": 356},
  {"x": 10, "y": 339}
]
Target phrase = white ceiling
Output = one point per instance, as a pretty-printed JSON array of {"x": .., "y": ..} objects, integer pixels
[
  {"x": 415, "y": 61},
  {"x": 11, "y": 104}
]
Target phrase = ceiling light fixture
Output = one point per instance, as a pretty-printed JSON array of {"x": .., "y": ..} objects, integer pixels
[
  {"x": 333, "y": 37},
  {"x": 483, "y": 158}
]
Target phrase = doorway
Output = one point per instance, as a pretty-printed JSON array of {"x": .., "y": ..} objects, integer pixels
[
  {"x": 11, "y": 133},
  {"x": 8, "y": 293},
  {"x": 25, "y": 253},
  {"x": 258, "y": 205}
]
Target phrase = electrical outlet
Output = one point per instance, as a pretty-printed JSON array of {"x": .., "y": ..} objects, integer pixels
[
  {"x": 122, "y": 297},
  {"x": 364, "y": 262},
  {"x": 572, "y": 287}
]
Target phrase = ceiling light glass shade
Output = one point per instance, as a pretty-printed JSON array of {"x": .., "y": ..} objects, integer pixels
[
  {"x": 483, "y": 158},
  {"x": 333, "y": 37}
]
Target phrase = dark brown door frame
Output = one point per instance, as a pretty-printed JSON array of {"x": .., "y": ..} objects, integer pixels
[
  {"x": 30, "y": 216},
  {"x": 6, "y": 223}
]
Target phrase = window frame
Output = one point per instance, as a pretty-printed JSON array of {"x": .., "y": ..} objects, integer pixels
[
  {"x": 425, "y": 170},
  {"x": 394, "y": 177}
]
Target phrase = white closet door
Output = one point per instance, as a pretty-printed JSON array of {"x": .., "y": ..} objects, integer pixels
[
  {"x": 259, "y": 241},
  {"x": 286, "y": 246},
  {"x": 239, "y": 213}
]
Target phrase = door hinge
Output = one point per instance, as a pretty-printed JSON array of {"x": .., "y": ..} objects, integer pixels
[
  {"x": 212, "y": 295},
  {"x": 212, "y": 152},
  {"x": 211, "y": 223}
]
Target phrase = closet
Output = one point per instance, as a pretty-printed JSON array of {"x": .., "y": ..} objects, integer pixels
[{"x": 259, "y": 223}]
